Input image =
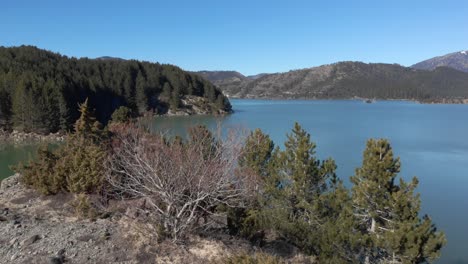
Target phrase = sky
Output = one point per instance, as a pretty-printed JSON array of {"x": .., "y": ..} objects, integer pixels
[{"x": 247, "y": 36}]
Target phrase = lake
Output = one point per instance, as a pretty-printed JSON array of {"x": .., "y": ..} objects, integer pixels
[{"x": 432, "y": 141}]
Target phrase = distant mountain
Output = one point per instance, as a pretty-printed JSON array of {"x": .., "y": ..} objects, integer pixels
[
  {"x": 253, "y": 77},
  {"x": 229, "y": 80},
  {"x": 354, "y": 79},
  {"x": 214, "y": 76},
  {"x": 456, "y": 60}
]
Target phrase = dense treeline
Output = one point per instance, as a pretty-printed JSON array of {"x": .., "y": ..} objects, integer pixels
[
  {"x": 289, "y": 193},
  {"x": 40, "y": 90}
]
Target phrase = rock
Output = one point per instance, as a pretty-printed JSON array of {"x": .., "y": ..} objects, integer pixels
[
  {"x": 13, "y": 241},
  {"x": 61, "y": 252},
  {"x": 59, "y": 258},
  {"x": 9, "y": 182},
  {"x": 33, "y": 239},
  {"x": 105, "y": 235}
]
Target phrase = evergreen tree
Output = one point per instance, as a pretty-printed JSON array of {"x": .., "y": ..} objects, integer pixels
[
  {"x": 220, "y": 104},
  {"x": 166, "y": 92},
  {"x": 5, "y": 109},
  {"x": 175, "y": 101},
  {"x": 389, "y": 212},
  {"x": 297, "y": 182},
  {"x": 141, "y": 97},
  {"x": 254, "y": 159},
  {"x": 122, "y": 115},
  {"x": 22, "y": 104},
  {"x": 50, "y": 86},
  {"x": 257, "y": 152},
  {"x": 87, "y": 127}
]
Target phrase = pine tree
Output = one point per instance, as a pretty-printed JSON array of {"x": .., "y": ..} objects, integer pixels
[
  {"x": 254, "y": 159},
  {"x": 5, "y": 108},
  {"x": 220, "y": 102},
  {"x": 297, "y": 182},
  {"x": 175, "y": 101},
  {"x": 87, "y": 127},
  {"x": 140, "y": 93},
  {"x": 166, "y": 91},
  {"x": 389, "y": 212},
  {"x": 308, "y": 175},
  {"x": 257, "y": 152},
  {"x": 22, "y": 104},
  {"x": 121, "y": 115}
]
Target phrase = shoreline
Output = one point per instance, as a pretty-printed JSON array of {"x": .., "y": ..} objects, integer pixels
[
  {"x": 445, "y": 101},
  {"x": 18, "y": 138}
]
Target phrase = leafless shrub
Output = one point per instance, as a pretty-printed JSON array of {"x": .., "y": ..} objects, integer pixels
[{"x": 181, "y": 181}]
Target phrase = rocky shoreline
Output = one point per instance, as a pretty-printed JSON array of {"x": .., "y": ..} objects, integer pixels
[
  {"x": 44, "y": 229},
  {"x": 18, "y": 137}
]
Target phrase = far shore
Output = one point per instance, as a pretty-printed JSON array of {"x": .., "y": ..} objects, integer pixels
[
  {"x": 17, "y": 137},
  {"x": 434, "y": 101}
]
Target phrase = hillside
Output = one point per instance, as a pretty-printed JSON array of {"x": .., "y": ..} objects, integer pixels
[
  {"x": 354, "y": 79},
  {"x": 40, "y": 90},
  {"x": 456, "y": 60}
]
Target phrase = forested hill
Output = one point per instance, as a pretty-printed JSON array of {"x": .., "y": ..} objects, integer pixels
[
  {"x": 355, "y": 79},
  {"x": 40, "y": 90}
]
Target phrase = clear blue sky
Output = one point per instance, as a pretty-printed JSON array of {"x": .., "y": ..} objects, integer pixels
[{"x": 247, "y": 36}]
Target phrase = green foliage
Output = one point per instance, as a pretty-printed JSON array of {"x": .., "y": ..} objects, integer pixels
[
  {"x": 389, "y": 212},
  {"x": 77, "y": 166},
  {"x": 81, "y": 164},
  {"x": 254, "y": 159},
  {"x": 302, "y": 200},
  {"x": 39, "y": 90},
  {"x": 40, "y": 173},
  {"x": 257, "y": 152},
  {"x": 121, "y": 115},
  {"x": 301, "y": 179},
  {"x": 174, "y": 100}
]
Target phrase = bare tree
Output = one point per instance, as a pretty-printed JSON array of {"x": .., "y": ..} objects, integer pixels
[{"x": 180, "y": 181}]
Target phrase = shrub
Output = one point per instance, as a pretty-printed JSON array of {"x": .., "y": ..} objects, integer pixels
[
  {"x": 77, "y": 166},
  {"x": 40, "y": 173},
  {"x": 181, "y": 182},
  {"x": 83, "y": 207},
  {"x": 121, "y": 115}
]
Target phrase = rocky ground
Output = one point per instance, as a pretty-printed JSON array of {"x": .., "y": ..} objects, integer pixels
[
  {"x": 17, "y": 137},
  {"x": 44, "y": 229}
]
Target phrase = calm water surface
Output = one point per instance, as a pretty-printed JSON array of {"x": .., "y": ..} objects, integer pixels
[{"x": 432, "y": 141}]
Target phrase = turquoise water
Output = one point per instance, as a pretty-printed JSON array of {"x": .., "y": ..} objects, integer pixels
[
  {"x": 432, "y": 141},
  {"x": 11, "y": 155}
]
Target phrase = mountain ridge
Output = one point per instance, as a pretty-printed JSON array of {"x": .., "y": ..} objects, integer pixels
[
  {"x": 351, "y": 79},
  {"x": 456, "y": 60}
]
